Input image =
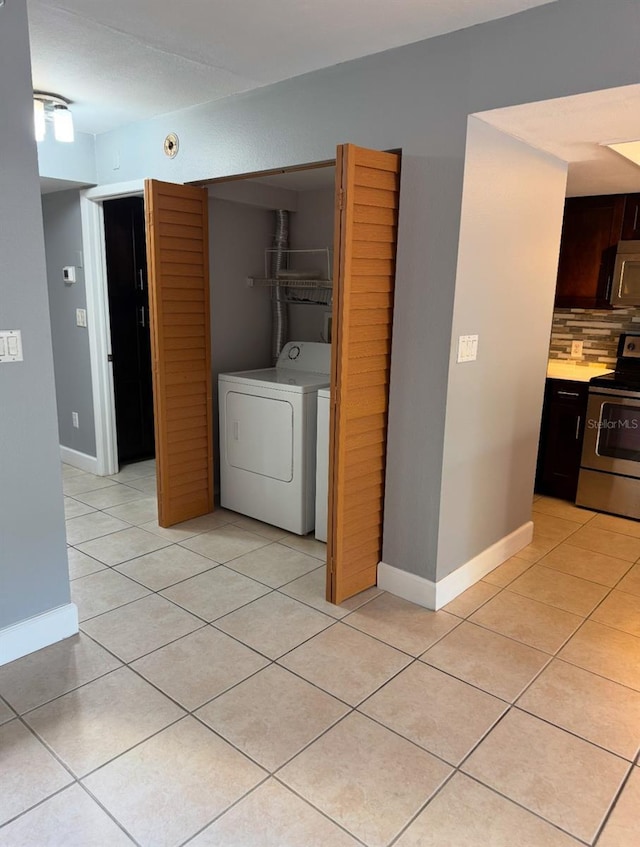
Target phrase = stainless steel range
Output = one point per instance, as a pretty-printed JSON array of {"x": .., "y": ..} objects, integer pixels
[{"x": 610, "y": 466}]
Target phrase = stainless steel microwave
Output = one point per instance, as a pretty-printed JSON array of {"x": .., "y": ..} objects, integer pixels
[{"x": 625, "y": 287}]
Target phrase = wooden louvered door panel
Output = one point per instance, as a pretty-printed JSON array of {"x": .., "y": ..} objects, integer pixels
[
  {"x": 367, "y": 193},
  {"x": 178, "y": 260}
]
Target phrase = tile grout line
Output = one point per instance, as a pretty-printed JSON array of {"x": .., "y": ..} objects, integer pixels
[
  {"x": 440, "y": 788},
  {"x": 356, "y": 709},
  {"x": 75, "y": 780},
  {"x": 188, "y": 713},
  {"x": 573, "y": 733},
  {"x": 538, "y": 815},
  {"x": 550, "y": 605},
  {"x": 457, "y": 770},
  {"x": 351, "y": 710},
  {"x": 284, "y": 584},
  {"x": 614, "y": 802},
  {"x": 317, "y": 809},
  {"x": 224, "y": 812},
  {"x": 233, "y": 522},
  {"x": 199, "y": 629},
  {"x": 501, "y": 589},
  {"x": 191, "y": 713},
  {"x": 98, "y": 802}
]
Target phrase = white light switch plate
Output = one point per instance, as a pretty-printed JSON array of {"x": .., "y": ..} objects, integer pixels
[
  {"x": 81, "y": 317},
  {"x": 467, "y": 348},
  {"x": 11, "y": 345}
]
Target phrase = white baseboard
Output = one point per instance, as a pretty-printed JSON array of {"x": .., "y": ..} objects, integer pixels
[
  {"x": 26, "y": 637},
  {"x": 407, "y": 585},
  {"x": 79, "y": 460},
  {"x": 435, "y": 595}
]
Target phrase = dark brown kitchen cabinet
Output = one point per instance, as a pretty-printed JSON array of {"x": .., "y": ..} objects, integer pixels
[
  {"x": 561, "y": 434},
  {"x": 631, "y": 219},
  {"x": 591, "y": 229}
]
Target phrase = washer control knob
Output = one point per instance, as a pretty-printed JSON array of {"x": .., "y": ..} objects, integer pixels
[
  {"x": 631, "y": 346},
  {"x": 294, "y": 352}
]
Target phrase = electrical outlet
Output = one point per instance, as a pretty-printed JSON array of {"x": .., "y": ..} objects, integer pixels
[
  {"x": 576, "y": 349},
  {"x": 75, "y": 420},
  {"x": 81, "y": 317}
]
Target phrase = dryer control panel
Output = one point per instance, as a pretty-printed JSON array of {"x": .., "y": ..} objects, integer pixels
[{"x": 310, "y": 356}]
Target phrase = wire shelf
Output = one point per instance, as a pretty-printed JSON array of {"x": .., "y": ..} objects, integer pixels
[
  {"x": 260, "y": 282},
  {"x": 315, "y": 262}
]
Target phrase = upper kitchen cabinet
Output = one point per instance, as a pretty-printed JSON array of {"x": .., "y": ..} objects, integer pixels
[
  {"x": 631, "y": 219},
  {"x": 591, "y": 229}
]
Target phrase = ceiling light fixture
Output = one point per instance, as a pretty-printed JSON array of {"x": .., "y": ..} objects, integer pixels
[
  {"x": 52, "y": 107},
  {"x": 38, "y": 117},
  {"x": 629, "y": 149}
]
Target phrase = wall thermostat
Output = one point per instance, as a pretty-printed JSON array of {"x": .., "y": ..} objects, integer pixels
[{"x": 69, "y": 273}]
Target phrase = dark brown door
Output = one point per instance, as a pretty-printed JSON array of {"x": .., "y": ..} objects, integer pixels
[{"x": 129, "y": 315}]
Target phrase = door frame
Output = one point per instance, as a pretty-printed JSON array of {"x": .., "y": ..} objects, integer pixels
[{"x": 98, "y": 325}]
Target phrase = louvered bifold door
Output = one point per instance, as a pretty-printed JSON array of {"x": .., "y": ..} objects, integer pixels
[
  {"x": 178, "y": 259},
  {"x": 367, "y": 193}
]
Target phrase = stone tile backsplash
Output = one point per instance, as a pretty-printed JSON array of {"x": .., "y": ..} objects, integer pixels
[{"x": 598, "y": 330}]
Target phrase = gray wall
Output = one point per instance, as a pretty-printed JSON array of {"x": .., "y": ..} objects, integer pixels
[
  {"x": 312, "y": 223},
  {"x": 33, "y": 560},
  {"x": 311, "y": 227},
  {"x": 74, "y": 162},
  {"x": 240, "y": 316},
  {"x": 255, "y": 193},
  {"x": 416, "y": 98},
  {"x": 505, "y": 287},
  {"x": 63, "y": 243}
]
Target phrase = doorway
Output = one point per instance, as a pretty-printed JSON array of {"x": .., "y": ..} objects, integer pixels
[
  {"x": 366, "y": 202},
  {"x": 365, "y": 211},
  {"x": 128, "y": 296}
]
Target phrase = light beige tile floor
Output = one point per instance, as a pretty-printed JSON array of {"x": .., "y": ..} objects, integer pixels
[{"x": 213, "y": 697}]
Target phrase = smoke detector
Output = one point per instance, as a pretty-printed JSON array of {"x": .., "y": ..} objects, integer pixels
[{"x": 171, "y": 145}]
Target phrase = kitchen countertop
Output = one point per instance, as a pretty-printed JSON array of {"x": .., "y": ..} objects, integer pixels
[{"x": 557, "y": 369}]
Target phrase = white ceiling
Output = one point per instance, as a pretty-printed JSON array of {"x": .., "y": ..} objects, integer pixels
[
  {"x": 49, "y": 185},
  {"x": 574, "y": 129},
  {"x": 128, "y": 60}
]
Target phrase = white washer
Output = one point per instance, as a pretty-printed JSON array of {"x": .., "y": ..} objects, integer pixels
[
  {"x": 268, "y": 437},
  {"x": 322, "y": 464}
]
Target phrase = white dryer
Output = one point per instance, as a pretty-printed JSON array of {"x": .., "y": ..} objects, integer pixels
[{"x": 268, "y": 437}]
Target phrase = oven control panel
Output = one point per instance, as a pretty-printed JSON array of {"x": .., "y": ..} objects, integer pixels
[{"x": 629, "y": 346}]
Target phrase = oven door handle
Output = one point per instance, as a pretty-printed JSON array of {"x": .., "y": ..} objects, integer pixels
[{"x": 627, "y": 393}]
